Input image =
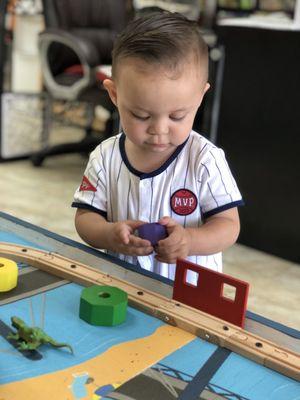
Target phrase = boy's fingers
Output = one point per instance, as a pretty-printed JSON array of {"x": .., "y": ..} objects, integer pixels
[
  {"x": 144, "y": 251},
  {"x": 136, "y": 251},
  {"x": 168, "y": 251},
  {"x": 169, "y": 243},
  {"x": 124, "y": 237},
  {"x": 170, "y": 222},
  {"x": 140, "y": 250},
  {"x": 134, "y": 224},
  {"x": 138, "y": 242}
]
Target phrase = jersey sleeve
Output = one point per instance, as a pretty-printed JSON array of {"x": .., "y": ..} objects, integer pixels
[
  {"x": 218, "y": 188},
  {"x": 91, "y": 193}
]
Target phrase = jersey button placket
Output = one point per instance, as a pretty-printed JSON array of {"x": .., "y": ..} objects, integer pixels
[{"x": 145, "y": 195}]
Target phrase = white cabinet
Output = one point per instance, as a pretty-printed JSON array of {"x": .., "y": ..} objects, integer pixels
[{"x": 26, "y": 66}]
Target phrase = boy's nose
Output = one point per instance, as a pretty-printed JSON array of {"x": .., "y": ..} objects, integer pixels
[{"x": 159, "y": 127}]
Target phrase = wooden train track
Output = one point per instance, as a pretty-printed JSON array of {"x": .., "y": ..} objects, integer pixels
[{"x": 184, "y": 317}]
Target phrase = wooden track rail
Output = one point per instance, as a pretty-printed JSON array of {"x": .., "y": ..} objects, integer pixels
[{"x": 184, "y": 317}]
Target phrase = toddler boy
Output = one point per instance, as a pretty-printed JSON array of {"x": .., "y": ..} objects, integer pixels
[{"x": 158, "y": 169}]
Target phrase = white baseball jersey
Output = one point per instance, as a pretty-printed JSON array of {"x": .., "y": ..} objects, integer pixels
[{"x": 193, "y": 184}]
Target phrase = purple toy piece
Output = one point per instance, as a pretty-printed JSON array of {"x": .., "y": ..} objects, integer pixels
[{"x": 154, "y": 232}]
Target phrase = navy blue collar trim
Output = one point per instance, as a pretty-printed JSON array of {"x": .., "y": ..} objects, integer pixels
[{"x": 143, "y": 175}]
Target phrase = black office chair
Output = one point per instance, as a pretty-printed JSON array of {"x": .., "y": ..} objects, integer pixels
[{"x": 78, "y": 38}]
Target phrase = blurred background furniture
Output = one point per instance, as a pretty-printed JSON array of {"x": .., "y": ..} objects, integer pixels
[
  {"x": 20, "y": 79},
  {"x": 189, "y": 8},
  {"x": 259, "y": 130},
  {"x": 207, "y": 117},
  {"x": 77, "y": 40}
]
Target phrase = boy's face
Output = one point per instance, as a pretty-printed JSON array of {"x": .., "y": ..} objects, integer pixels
[{"x": 157, "y": 107}]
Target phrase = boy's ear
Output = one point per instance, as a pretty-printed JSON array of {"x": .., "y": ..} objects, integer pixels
[
  {"x": 207, "y": 86},
  {"x": 203, "y": 91},
  {"x": 110, "y": 86}
]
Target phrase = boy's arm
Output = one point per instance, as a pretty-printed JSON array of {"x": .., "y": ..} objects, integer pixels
[
  {"x": 219, "y": 232},
  {"x": 216, "y": 234},
  {"x": 115, "y": 236}
]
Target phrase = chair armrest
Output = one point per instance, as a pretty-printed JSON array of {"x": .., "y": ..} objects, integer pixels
[{"x": 84, "y": 50}]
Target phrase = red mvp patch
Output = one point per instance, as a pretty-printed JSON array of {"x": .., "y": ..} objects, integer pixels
[
  {"x": 183, "y": 202},
  {"x": 86, "y": 185}
]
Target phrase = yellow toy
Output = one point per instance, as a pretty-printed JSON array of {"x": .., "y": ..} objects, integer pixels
[{"x": 8, "y": 274}]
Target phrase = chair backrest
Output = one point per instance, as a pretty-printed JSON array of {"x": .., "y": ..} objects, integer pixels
[
  {"x": 99, "y": 21},
  {"x": 72, "y": 14}
]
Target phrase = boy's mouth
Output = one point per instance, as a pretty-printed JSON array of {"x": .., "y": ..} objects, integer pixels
[{"x": 159, "y": 145}]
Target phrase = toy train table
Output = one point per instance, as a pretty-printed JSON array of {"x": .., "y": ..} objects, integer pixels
[{"x": 163, "y": 350}]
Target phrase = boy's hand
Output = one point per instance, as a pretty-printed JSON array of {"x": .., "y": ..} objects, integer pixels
[
  {"x": 176, "y": 245},
  {"x": 123, "y": 240}
]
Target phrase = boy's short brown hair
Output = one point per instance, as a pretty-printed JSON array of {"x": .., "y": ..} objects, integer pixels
[{"x": 163, "y": 38}]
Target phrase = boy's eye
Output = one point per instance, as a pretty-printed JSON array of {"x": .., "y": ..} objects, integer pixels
[
  {"x": 139, "y": 117},
  {"x": 177, "y": 118}
]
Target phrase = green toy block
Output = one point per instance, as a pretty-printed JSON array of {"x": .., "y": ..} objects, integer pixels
[{"x": 103, "y": 305}]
